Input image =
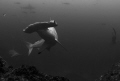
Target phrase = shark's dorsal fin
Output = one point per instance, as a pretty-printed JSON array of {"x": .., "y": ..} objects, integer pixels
[{"x": 51, "y": 20}]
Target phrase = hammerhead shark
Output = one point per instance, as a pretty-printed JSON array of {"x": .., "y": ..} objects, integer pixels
[
  {"x": 47, "y": 33},
  {"x": 114, "y": 37}
]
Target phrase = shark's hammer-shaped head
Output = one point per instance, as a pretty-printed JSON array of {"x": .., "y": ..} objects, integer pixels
[
  {"x": 53, "y": 23},
  {"x": 40, "y": 26}
]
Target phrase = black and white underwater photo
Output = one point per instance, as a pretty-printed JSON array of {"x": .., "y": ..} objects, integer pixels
[{"x": 59, "y": 40}]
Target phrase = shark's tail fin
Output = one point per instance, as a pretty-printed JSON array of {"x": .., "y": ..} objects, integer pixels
[{"x": 29, "y": 46}]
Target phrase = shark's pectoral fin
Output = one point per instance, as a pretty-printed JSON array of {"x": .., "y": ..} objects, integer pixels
[
  {"x": 43, "y": 47},
  {"x": 41, "y": 43}
]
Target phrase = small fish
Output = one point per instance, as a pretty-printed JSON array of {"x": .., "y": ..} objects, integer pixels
[
  {"x": 66, "y": 3},
  {"x": 17, "y": 3},
  {"x": 28, "y": 7},
  {"x": 25, "y": 12},
  {"x": 4, "y": 14},
  {"x": 13, "y": 53}
]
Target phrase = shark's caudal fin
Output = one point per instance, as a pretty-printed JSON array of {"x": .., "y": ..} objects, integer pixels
[
  {"x": 30, "y": 48},
  {"x": 61, "y": 45}
]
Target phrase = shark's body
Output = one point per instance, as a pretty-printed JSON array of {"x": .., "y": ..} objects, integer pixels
[
  {"x": 46, "y": 32},
  {"x": 114, "y": 38},
  {"x": 49, "y": 34},
  {"x": 13, "y": 53},
  {"x": 49, "y": 39}
]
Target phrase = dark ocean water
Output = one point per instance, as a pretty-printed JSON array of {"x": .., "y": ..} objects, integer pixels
[{"x": 84, "y": 28}]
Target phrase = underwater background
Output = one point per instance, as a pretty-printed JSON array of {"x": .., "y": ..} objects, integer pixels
[{"x": 84, "y": 28}]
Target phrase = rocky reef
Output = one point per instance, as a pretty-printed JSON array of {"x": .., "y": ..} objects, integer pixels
[
  {"x": 112, "y": 75},
  {"x": 24, "y": 73}
]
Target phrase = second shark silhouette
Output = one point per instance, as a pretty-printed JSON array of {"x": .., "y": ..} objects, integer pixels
[
  {"x": 46, "y": 30},
  {"x": 114, "y": 37}
]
